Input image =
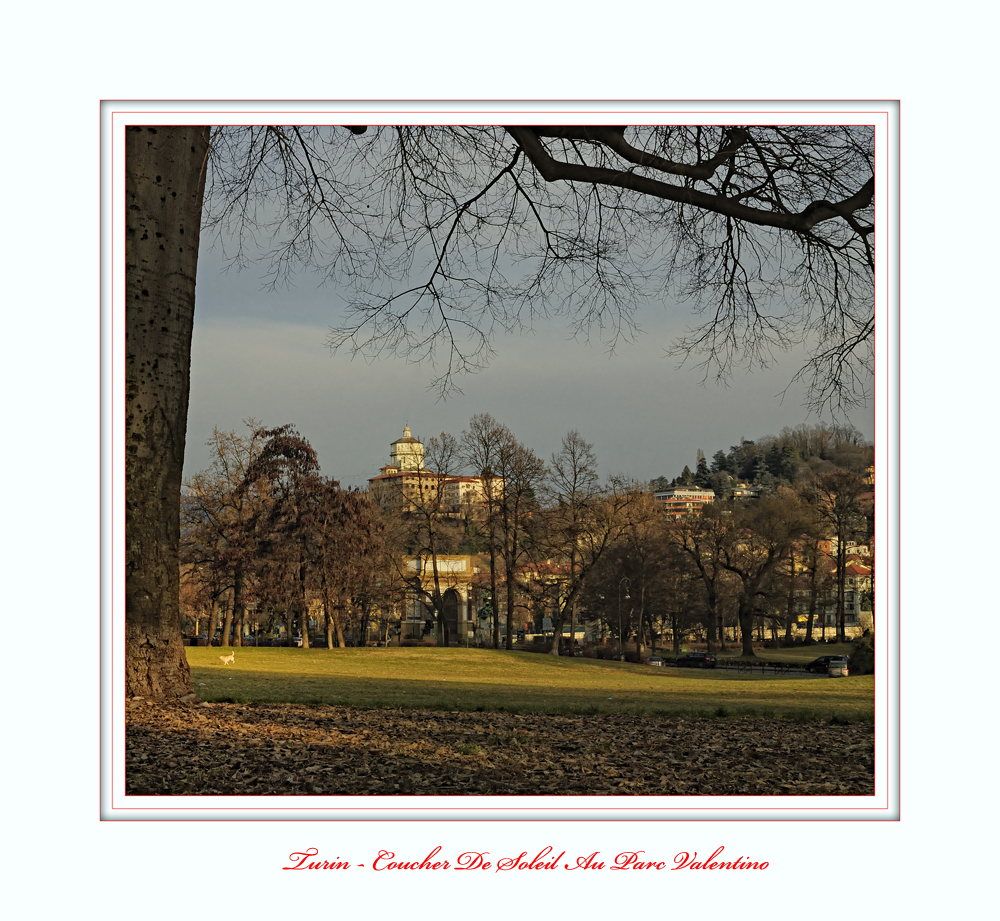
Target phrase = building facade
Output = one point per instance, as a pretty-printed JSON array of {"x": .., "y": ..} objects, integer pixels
[
  {"x": 457, "y": 580},
  {"x": 684, "y": 500},
  {"x": 406, "y": 484}
]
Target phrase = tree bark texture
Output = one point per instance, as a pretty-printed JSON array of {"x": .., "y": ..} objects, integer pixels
[{"x": 164, "y": 190}]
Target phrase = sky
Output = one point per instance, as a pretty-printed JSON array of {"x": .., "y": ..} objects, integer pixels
[{"x": 261, "y": 354}]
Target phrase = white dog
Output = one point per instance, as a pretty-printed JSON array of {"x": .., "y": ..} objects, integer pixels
[{"x": 228, "y": 660}]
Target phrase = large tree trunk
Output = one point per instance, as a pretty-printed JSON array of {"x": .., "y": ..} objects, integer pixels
[
  {"x": 813, "y": 594},
  {"x": 790, "y": 613},
  {"x": 745, "y": 617},
  {"x": 509, "y": 644},
  {"x": 642, "y": 617},
  {"x": 327, "y": 620},
  {"x": 227, "y": 624},
  {"x": 213, "y": 618},
  {"x": 558, "y": 617},
  {"x": 303, "y": 604},
  {"x": 841, "y": 579},
  {"x": 494, "y": 596},
  {"x": 239, "y": 609},
  {"x": 164, "y": 191}
]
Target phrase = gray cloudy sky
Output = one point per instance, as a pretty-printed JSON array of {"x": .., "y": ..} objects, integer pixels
[{"x": 263, "y": 355}]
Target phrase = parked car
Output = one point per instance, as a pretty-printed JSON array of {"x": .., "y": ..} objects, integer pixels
[
  {"x": 822, "y": 664},
  {"x": 655, "y": 660},
  {"x": 838, "y": 668},
  {"x": 697, "y": 660}
]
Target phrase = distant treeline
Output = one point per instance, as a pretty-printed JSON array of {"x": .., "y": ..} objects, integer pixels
[{"x": 793, "y": 456}]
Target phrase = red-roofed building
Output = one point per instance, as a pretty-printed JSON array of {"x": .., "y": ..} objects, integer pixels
[
  {"x": 405, "y": 482},
  {"x": 684, "y": 500}
]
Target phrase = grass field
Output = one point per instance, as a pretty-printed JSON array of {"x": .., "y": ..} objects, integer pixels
[
  {"x": 476, "y": 679},
  {"x": 796, "y": 654}
]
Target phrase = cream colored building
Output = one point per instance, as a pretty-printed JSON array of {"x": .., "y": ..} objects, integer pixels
[
  {"x": 406, "y": 453},
  {"x": 462, "y": 492},
  {"x": 684, "y": 500},
  {"x": 456, "y": 575},
  {"x": 405, "y": 483}
]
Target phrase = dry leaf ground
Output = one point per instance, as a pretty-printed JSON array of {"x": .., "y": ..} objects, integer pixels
[{"x": 288, "y": 749}]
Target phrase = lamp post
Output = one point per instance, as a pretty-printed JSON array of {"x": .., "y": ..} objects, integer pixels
[{"x": 628, "y": 584}]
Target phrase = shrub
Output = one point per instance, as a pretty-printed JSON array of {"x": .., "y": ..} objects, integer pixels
[
  {"x": 538, "y": 644},
  {"x": 863, "y": 655}
]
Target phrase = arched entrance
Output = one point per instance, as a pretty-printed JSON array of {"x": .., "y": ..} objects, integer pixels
[{"x": 452, "y": 603}]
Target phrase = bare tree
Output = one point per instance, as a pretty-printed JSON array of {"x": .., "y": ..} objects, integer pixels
[
  {"x": 352, "y": 556},
  {"x": 482, "y": 443},
  {"x": 287, "y": 470},
  {"x": 428, "y": 515},
  {"x": 702, "y": 539},
  {"x": 583, "y": 518},
  {"x": 768, "y": 230},
  {"x": 639, "y": 554},
  {"x": 757, "y": 541},
  {"x": 572, "y": 490},
  {"x": 445, "y": 236},
  {"x": 521, "y": 471},
  {"x": 839, "y": 501},
  {"x": 218, "y": 511}
]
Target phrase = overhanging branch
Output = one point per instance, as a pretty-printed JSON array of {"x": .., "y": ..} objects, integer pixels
[{"x": 553, "y": 170}]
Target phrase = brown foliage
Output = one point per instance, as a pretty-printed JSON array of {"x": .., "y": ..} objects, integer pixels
[{"x": 290, "y": 749}]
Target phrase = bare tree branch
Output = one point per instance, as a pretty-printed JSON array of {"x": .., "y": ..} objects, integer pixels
[{"x": 439, "y": 238}]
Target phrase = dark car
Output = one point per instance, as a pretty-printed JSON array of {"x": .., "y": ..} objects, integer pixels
[
  {"x": 697, "y": 660},
  {"x": 823, "y": 663}
]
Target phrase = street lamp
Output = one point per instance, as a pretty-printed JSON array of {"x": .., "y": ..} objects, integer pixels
[{"x": 628, "y": 584}]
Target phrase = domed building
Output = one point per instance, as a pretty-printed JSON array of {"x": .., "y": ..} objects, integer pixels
[
  {"x": 406, "y": 453},
  {"x": 407, "y": 484}
]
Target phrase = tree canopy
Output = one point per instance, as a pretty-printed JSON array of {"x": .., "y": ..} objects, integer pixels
[{"x": 445, "y": 236}]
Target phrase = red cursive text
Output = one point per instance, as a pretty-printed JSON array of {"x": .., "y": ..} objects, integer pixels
[{"x": 686, "y": 861}]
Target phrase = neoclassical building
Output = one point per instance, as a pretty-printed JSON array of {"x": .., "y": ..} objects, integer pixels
[
  {"x": 457, "y": 578},
  {"x": 406, "y": 453},
  {"x": 407, "y": 484}
]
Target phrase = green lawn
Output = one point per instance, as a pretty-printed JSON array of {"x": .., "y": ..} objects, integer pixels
[
  {"x": 477, "y": 679},
  {"x": 797, "y": 655}
]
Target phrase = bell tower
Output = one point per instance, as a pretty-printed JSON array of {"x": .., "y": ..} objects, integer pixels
[{"x": 407, "y": 453}]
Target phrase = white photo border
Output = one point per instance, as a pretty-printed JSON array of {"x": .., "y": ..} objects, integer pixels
[{"x": 884, "y": 804}]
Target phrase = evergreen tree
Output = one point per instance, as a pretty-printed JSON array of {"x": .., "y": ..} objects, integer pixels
[
  {"x": 702, "y": 477},
  {"x": 722, "y": 483},
  {"x": 773, "y": 460},
  {"x": 759, "y": 469},
  {"x": 789, "y": 467}
]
